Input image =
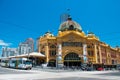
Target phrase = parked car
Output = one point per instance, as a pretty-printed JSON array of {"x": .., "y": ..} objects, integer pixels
[{"x": 100, "y": 69}]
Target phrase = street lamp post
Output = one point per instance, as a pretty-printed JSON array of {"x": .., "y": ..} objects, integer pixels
[
  {"x": 91, "y": 65},
  {"x": 81, "y": 56},
  {"x": 84, "y": 60},
  {"x": 57, "y": 62}
]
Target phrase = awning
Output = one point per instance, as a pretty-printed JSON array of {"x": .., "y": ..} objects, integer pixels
[
  {"x": 33, "y": 54},
  {"x": 37, "y": 54}
]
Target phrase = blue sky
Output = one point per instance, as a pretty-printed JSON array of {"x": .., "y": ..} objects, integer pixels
[{"x": 21, "y": 19}]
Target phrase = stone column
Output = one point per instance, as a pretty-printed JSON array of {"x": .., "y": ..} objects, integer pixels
[
  {"x": 85, "y": 59},
  {"x": 59, "y": 62},
  {"x": 107, "y": 57},
  {"x": 95, "y": 52},
  {"x": 100, "y": 54},
  {"x": 47, "y": 53}
]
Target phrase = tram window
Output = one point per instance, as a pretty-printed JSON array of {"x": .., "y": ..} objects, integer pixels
[
  {"x": 20, "y": 61},
  {"x": 13, "y": 61},
  {"x": 28, "y": 62},
  {"x": 3, "y": 61},
  {"x": 24, "y": 61}
]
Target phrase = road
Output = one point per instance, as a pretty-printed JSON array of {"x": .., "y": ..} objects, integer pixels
[
  {"x": 41, "y": 74},
  {"x": 12, "y": 71}
]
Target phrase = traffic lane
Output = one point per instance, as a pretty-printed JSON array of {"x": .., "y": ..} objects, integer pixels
[
  {"x": 4, "y": 70},
  {"x": 73, "y": 78},
  {"x": 111, "y": 74}
]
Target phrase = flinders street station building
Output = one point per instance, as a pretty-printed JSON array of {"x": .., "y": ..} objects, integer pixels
[{"x": 72, "y": 47}]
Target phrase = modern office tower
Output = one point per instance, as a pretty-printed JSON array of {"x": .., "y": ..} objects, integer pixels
[
  {"x": 30, "y": 43},
  {"x": 7, "y": 52},
  {"x": 4, "y": 50},
  {"x": 26, "y": 47}
]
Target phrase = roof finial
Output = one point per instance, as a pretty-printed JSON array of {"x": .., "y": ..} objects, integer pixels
[
  {"x": 64, "y": 17},
  {"x": 68, "y": 12}
]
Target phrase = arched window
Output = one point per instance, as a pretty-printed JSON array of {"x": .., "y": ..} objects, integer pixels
[
  {"x": 72, "y": 56},
  {"x": 52, "y": 52},
  {"x": 52, "y": 46},
  {"x": 71, "y": 27}
]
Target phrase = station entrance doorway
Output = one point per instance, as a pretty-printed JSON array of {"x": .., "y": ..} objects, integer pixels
[{"x": 72, "y": 59}]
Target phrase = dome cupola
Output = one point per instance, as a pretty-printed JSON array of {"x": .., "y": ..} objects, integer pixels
[
  {"x": 70, "y": 25},
  {"x": 91, "y": 35},
  {"x": 48, "y": 34}
]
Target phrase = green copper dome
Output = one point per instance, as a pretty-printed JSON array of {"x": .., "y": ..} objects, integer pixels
[{"x": 70, "y": 25}]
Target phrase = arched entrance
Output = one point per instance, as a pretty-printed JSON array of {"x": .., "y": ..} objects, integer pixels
[
  {"x": 52, "y": 63},
  {"x": 72, "y": 59}
]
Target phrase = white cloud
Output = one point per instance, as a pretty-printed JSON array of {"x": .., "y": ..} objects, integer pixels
[{"x": 2, "y": 43}]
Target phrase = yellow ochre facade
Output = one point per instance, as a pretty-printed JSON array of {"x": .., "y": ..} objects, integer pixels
[{"x": 72, "y": 47}]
